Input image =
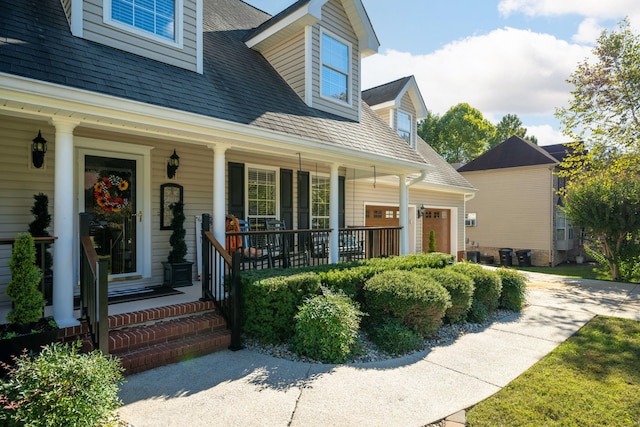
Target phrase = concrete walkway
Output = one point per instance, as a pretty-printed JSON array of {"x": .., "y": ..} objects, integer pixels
[{"x": 246, "y": 388}]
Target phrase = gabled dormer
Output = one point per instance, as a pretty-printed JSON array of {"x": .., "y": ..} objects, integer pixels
[
  {"x": 317, "y": 47},
  {"x": 400, "y": 104},
  {"x": 169, "y": 31}
]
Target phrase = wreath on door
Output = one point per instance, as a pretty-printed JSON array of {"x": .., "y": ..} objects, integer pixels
[{"x": 109, "y": 193}]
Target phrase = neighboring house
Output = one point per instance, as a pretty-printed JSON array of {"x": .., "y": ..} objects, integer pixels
[
  {"x": 260, "y": 110},
  {"x": 517, "y": 203}
]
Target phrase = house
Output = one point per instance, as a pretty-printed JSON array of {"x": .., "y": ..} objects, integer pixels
[
  {"x": 215, "y": 103},
  {"x": 517, "y": 205}
]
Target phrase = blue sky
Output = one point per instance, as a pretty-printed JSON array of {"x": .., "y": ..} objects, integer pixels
[{"x": 500, "y": 56}]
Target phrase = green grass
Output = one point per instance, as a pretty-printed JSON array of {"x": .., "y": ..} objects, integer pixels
[
  {"x": 592, "y": 379},
  {"x": 584, "y": 271}
]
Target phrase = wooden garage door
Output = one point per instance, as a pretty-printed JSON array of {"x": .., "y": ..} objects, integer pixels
[
  {"x": 438, "y": 220},
  {"x": 383, "y": 244}
]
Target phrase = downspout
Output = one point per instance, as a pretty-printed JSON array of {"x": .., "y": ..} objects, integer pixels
[{"x": 404, "y": 209}]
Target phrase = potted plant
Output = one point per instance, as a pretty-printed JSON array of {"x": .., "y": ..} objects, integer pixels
[
  {"x": 177, "y": 270},
  {"x": 38, "y": 228},
  {"x": 27, "y": 328}
]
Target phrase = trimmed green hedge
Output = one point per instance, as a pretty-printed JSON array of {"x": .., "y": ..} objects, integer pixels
[
  {"x": 514, "y": 286},
  {"x": 420, "y": 302},
  {"x": 392, "y": 337},
  {"x": 411, "y": 262},
  {"x": 488, "y": 287},
  {"x": 460, "y": 288}
]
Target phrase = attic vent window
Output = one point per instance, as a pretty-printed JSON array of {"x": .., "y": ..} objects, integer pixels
[
  {"x": 335, "y": 68},
  {"x": 153, "y": 16}
]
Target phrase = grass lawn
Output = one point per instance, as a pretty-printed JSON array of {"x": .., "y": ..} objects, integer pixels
[
  {"x": 584, "y": 271},
  {"x": 592, "y": 379}
]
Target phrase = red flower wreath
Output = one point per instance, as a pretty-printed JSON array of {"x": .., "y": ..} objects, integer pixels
[{"x": 108, "y": 186}]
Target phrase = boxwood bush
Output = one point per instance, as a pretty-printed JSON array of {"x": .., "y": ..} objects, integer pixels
[
  {"x": 418, "y": 301},
  {"x": 486, "y": 295},
  {"x": 391, "y": 336},
  {"x": 411, "y": 262},
  {"x": 270, "y": 304},
  {"x": 514, "y": 286},
  {"x": 460, "y": 288},
  {"x": 326, "y": 328}
]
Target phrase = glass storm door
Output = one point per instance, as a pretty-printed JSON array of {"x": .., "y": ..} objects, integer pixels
[{"x": 110, "y": 186}]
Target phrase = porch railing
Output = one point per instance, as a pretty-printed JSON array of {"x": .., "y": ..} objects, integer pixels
[
  {"x": 221, "y": 280},
  {"x": 94, "y": 299}
]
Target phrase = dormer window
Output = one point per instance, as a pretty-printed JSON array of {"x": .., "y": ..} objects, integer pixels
[
  {"x": 335, "y": 68},
  {"x": 157, "y": 19},
  {"x": 404, "y": 126}
]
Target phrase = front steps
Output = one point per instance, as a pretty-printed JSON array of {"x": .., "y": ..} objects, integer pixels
[{"x": 160, "y": 336}]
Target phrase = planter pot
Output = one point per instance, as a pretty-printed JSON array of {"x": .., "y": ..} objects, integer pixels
[
  {"x": 579, "y": 259},
  {"x": 177, "y": 274},
  {"x": 32, "y": 342}
]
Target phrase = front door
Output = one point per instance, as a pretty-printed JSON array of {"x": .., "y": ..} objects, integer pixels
[
  {"x": 439, "y": 221},
  {"x": 110, "y": 195}
]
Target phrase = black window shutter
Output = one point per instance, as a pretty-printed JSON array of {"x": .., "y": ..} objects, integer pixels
[
  {"x": 286, "y": 197},
  {"x": 236, "y": 189},
  {"x": 341, "y": 183},
  {"x": 304, "y": 201}
]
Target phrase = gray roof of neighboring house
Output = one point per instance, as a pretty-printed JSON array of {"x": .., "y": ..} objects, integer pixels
[
  {"x": 238, "y": 84},
  {"x": 444, "y": 173},
  {"x": 384, "y": 93},
  {"x": 510, "y": 153},
  {"x": 558, "y": 151}
]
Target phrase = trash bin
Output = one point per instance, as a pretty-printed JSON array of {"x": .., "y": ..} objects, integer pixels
[
  {"x": 524, "y": 257},
  {"x": 473, "y": 256},
  {"x": 505, "y": 256}
]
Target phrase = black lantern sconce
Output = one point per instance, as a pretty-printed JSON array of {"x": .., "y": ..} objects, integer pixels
[
  {"x": 38, "y": 148},
  {"x": 173, "y": 164},
  {"x": 421, "y": 210}
]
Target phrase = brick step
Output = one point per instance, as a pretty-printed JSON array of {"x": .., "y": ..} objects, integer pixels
[
  {"x": 155, "y": 314},
  {"x": 166, "y": 330},
  {"x": 157, "y": 355}
]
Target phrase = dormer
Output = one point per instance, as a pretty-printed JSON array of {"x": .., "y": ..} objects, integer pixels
[
  {"x": 317, "y": 47},
  {"x": 168, "y": 31},
  {"x": 400, "y": 104}
]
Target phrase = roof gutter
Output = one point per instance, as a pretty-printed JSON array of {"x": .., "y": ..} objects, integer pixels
[{"x": 423, "y": 175}]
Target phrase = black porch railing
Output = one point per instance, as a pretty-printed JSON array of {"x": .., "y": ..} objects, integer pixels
[{"x": 94, "y": 299}]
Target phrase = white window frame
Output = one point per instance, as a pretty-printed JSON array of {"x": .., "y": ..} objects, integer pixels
[
  {"x": 349, "y": 46},
  {"x": 563, "y": 224},
  {"x": 276, "y": 171},
  {"x": 470, "y": 219},
  {"x": 177, "y": 41},
  {"x": 410, "y": 130},
  {"x": 312, "y": 199}
]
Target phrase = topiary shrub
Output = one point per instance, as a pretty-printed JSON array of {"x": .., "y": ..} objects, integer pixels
[
  {"x": 178, "y": 251},
  {"x": 61, "y": 387},
  {"x": 432, "y": 241},
  {"x": 269, "y": 305},
  {"x": 327, "y": 327},
  {"x": 23, "y": 288},
  {"x": 514, "y": 286},
  {"x": 392, "y": 337},
  {"x": 486, "y": 295},
  {"x": 418, "y": 301},
  {"x": 460, "y": 288}
]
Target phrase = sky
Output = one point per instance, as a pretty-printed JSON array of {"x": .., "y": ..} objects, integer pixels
[{"x": 499, "y": 56}]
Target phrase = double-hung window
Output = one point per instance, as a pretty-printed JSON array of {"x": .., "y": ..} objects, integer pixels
[
  {"x": 404, "y": 126},
  {"x": 261, "y": 195},
  {"x": 320, "y": 198},
  {"x": 335, "y": 68},
  {"x": 156, "y": 18}
]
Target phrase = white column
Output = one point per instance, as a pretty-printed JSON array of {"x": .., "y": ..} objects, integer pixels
[
  {"x": 334, "y": 214},
  {"x": 219, "y": 192},
  {"x": 63, "y": 220},
  {"x": 404, "y": 215}
]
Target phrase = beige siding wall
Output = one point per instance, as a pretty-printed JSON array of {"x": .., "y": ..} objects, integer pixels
[
  {"x": 387, "y": 115},
  {"x": 288, "y": 58},
  {"x": 513, "y": 207},
  {"x": 95, "y": 29},
  {"x": 66, "y": 5},
  {"x": 335, "y": 20}
]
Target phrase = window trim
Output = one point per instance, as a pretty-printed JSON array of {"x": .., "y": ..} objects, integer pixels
[
  {"x": 349, "y": 101},
  {"x": 470, "y": 219},
  {"x": 178, "y": 39},
  {"x": 311, "y": 216},
  {"x": 276, "y": 171},
  {"x": 411, "y": 140}
]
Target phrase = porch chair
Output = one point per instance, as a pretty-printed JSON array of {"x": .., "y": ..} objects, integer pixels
[
  {"x": 279, "y": 246},
  {"x": 250, "y": 251}
]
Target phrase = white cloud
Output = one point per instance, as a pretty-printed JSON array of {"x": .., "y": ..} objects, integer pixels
[
  {"x": 546, "y": 134},
  {"x": 610, "y": 9},
  {"x": 588, "y": 31},
  {"x": 505, "y": 71}
]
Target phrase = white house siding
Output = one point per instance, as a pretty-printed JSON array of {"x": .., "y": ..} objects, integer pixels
[
  {"x": 288, "y": 60},
  {"x": 514, "y": 209},
  {"x": 336, "y": 21},
  {"x": 96, "y": 30}
]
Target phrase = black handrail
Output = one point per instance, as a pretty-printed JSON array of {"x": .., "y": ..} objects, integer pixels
[{"x": 93, "y": 288}]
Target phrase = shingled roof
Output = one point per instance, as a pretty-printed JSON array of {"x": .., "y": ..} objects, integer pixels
[
  {"x": 510, "y": 153},
  {"x": 444, "y": 173},
  {"x": 237, "y": 85},
  {"x": 384, "y": 93}
]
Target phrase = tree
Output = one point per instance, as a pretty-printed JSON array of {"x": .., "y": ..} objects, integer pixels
[{"x": 509, "y": 126}]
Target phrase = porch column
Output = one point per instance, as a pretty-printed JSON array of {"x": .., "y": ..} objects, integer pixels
[
  {"x": 334, "y": 214},
  {"x": 404, "y": 215},
  {"x": 63, "y": 220},
  {"x": 219, "y": 192}
]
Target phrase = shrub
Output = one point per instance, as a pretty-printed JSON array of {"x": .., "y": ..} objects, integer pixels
[
  {"x": 269, "y": 305},
  {"x": 327, "y": 327},
  {"x": 62, "y": 387},
  {"x": 411, "y": 262},
  {"x": 460, "y": 288},
  {"x": 514, "y": 287},
  {"x": 432, "y": 241},
  {"x": 27, "y": 299},
  {"x": 350, "y": 281},
  {"x": 419, "y": 302},
  {"x": 486, "y": 295},
  {"x": 392, "y": 337}
]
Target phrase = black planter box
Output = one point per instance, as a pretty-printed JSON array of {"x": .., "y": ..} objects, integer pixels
[
  {"x": 177, "y": 274},
  {"x": 33, "y": 343}
]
